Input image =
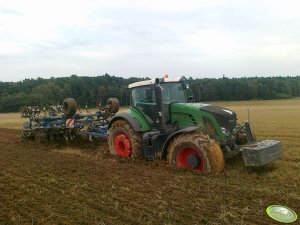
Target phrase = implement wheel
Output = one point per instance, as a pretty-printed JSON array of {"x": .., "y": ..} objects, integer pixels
[
  {"x": 194, "y": 152},
  {"x": 69, "y": 107},
  {"x": 113, "y": 104},
  {"x": 124, "y": 141}
]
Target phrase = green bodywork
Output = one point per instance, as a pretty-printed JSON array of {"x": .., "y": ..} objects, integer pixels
[
  {"x": 178, "y": 112},
  {"x": 181, "y": 115},
  {"x": 140, "y": 118},
  {"x": 186, "y": 115}
]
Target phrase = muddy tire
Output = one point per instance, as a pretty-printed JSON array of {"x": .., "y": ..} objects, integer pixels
[
  {"x": 123, "y": 141},
  {"x": 69, "y": 107},
  {"x": 194, "y": 152},
  {"x": 113, "y": 104}
]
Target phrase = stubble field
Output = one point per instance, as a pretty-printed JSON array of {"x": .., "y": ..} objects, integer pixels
[{"x": 80, "y": 183}]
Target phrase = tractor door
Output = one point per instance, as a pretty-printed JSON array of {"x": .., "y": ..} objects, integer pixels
[
  {"x": 172, "y": 93},
  {"x": 143, "y": 98}
]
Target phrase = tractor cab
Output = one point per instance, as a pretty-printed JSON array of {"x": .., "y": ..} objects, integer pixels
[{"x": 153, "y": 98}]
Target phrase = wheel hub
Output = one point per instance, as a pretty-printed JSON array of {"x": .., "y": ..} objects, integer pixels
[
  {"x": 193, "y": 161},
  {"x": 189, "y": 158},
  {"x": 122, "y": 145}
]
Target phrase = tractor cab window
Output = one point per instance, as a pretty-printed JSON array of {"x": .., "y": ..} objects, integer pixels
[
  {"x": 143, "y": 98},
  {"x": 173, "y": 92},
  {"x": 143, "y": 95}
]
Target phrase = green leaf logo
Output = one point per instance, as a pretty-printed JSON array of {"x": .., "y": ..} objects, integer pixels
[{"x": 281, "y": 214}]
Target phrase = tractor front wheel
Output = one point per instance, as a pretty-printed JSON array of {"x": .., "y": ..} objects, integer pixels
[
  {"x": 124, "y": 141},
  {"x": 194, "y": 152}
]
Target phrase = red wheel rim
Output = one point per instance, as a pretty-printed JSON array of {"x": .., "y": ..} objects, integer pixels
[
  {"x": 122, "y": 145},
  {"x": 184, "y": 154}
]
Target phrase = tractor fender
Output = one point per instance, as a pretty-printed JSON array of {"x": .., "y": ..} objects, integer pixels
[
  {"x": 125, "y": 116},
  {"x": 172, "y": 136}
]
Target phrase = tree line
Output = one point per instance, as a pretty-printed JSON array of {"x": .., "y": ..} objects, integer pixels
[
  {"x": 89, "y": 90},
  {"x": 254, "y": 88}
]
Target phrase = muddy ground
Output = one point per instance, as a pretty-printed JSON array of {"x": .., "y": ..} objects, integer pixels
[{"x": 57, "y": 183}]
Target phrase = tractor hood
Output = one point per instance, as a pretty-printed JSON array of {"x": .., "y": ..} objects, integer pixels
[{"x": 224, "y": 117}]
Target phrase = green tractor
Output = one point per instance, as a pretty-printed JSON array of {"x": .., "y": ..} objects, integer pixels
[{"x": 164, "y": 122}]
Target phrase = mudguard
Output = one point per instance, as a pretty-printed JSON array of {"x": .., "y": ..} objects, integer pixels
[
  {"x": 172, "y": 136},
  {"x": 125, "y": 116}
]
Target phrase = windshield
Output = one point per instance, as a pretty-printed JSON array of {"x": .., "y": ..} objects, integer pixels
[{"x": 173, "y": 92}]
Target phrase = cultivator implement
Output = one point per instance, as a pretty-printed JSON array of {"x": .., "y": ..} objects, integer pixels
[
  {"x": 30, "y": 111},
  {"x": 68, "y": 125}
]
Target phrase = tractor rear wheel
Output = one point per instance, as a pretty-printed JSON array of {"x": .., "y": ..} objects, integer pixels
[
  {"x": 124, "y": 141},
  {"x": 194, "y": 152}
]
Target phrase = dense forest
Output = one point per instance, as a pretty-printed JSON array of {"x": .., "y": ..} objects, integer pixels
[{"x": 89, "y": 90}]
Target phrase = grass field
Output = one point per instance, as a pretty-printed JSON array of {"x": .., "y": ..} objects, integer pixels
[
  {"x": 56, "y": 183},
  {"x": 11, "y": 120}
]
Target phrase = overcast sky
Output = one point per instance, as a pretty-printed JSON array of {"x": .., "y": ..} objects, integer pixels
[{"x": 44, "y": 38}]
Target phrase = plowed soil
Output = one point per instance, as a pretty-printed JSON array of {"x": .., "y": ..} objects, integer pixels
[{"x": 80, "y": 183}]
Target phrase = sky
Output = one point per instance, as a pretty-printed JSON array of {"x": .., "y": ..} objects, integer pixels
[{"x": 142, "y": 38}]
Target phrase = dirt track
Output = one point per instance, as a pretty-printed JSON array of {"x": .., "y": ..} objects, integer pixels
[{"x": 69, "y": 184}]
